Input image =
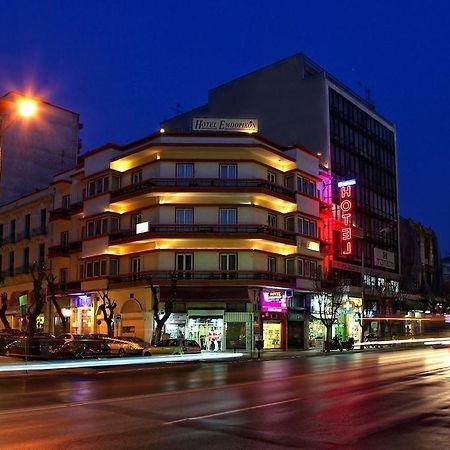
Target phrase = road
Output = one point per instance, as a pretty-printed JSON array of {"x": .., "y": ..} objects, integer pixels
[{"x": 376, "y": 400}]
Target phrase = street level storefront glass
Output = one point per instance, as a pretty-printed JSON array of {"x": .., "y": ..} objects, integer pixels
[
  {"x": 207, "y": 331},
  {"x": 236, "y": 335},
  {"x": 272, "y": 334}
]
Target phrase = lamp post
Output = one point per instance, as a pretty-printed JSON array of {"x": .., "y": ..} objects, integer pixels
[{"x": 23, "y": 108}]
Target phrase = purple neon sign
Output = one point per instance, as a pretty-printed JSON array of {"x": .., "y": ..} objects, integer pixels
[{"x": 273, "y": 300}]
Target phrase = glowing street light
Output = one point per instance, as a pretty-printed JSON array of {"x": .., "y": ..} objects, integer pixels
[{"x": 25, "y": 108}]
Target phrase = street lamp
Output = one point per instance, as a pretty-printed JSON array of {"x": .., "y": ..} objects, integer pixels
[{"x": 24, "y": 108}]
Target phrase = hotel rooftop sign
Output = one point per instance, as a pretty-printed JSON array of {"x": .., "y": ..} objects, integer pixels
[{"x": 215, "y": 124}]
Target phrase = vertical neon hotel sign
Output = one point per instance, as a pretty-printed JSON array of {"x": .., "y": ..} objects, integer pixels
[{"x": 346, "y": 206}]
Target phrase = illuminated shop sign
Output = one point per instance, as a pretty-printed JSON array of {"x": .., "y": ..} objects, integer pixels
[
  {"x": 274, "y": 300},
  {"x": 214, "y": 124},
  {"x": 346, "y": 206},
  {"x": 81, "y": 301}
]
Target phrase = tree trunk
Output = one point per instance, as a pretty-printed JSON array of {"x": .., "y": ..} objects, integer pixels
[
  {"x": 3, "y": 309},
  {"x": 327, "y": 342}
]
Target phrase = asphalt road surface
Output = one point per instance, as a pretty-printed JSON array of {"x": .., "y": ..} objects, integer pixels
[{"x": 376, "y": 400}]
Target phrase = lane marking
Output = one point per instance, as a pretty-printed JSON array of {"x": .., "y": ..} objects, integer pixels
[{"x": 234, "y": 411}]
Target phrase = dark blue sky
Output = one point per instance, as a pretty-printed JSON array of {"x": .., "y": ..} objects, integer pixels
[{"x": 127, "y": 65}]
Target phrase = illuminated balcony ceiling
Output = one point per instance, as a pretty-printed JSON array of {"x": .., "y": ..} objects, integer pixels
[
  {"x": 149, "y": 199},
  {"x": 144, "y": 245},
  {"x": 224, "y": 153}
]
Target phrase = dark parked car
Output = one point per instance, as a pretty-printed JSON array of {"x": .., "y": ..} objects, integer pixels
[
  {"x": 37, "y": 348},
  {"x": 81, "y": 348},
  {"x": 8, "y": 335},
  {"x": 172, "y": 347}
]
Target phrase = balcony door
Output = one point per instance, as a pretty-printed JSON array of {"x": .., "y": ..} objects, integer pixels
[
  {"x": 228, "y": 265},
  {"x": 184, "y": 265}
]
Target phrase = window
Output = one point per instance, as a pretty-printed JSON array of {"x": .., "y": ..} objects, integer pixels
[
  {"x": 97, "y": 227},
  {"x": 228, "y": 262},
  {"x": 184, "y": 216},
  {"x": 27, "y": 226},
  {"x": 135, "y": 267},
  {"x": 43, "y": 222},
  {"x": 65, "y": 201},
  {"x": 11, "y": 264},
  {"x": 307, "y": 268},
  {"x": 12, "y": 231},
  {"x": 115, "y": 182},
  {"x": 98, "y": 186},
  {"x": 64, "y": 238},
  {"x": 134, "y": 220},
  {"x": 26, "y": 260},
  {"x": 307, "y": 227},
  {"x": 114, "y": 224},
  {"x": 271, "y": 177},
  {"x": 306, "y": 186},
  {"x": 228, "y": 171},
  {"x": 228, "y": 216},
  {"x": 136, "y": 177},
  {"x": 271, "y": 264},
  {"x": 96, "y": 268},
  {"x": 290, "y": 266},
  {"x": 289, "y": 182},
  {"x": 272, "y": 221},
  {"x": 114, "y": 267},
  {"x": 289, "y": 223},
  {"x": 184, "y": 170},
  {"x": 63, "y": 275},
  {"x": 184, "y": 265},
  {"x": 41, "y": 253}
]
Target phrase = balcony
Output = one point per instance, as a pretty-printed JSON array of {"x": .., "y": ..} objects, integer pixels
[
  {"x": 58, "y": 250},
  {"x": 202, "y": 185},
  {"x": 59, "y": 214},
  {"x": 230, "y": 231},
  {"x": 205, "y": 276},
  {"x": 38, "y": 231}
]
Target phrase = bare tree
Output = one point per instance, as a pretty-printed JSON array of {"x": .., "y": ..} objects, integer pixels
[
  {"x": 52, "y": 291},
  {"x": 107, "y": 308},
  {"x": 38, "y": 274},
  {"x": 3, "y": 308},
  {"x": 168, "y": 306},
  {"x": 331, "y": 294},
  {"x": 390, "y": 299}
]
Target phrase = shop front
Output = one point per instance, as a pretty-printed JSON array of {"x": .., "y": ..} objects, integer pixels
[
  {"x": 273, "y": 317},
  {"x": 82, "y": 317}
]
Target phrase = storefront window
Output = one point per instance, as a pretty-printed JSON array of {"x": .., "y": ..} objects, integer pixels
[
  {"x": 207, "y": 331},
  {"x": 236, "y": 336},
  {"x": 272, "y": 335}
]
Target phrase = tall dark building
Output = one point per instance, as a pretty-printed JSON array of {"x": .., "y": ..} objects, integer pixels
[{"x": 297, "y": 102}]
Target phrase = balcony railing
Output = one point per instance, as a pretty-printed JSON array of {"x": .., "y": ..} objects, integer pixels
[
  {"x": 205, "y": 275},
  {"x": 58, "y": 250},
  {"x": 39, "y": 231},
  {"x": 203, "y": 230},
  {"x": 157, "y": 183},
  {"x": 59, "y": 213}
]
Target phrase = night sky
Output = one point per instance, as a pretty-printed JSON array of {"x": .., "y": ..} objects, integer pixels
[{"x": 127, "y": 65}]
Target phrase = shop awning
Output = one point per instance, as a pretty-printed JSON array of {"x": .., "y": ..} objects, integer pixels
[{"x": 209, "y": 294}]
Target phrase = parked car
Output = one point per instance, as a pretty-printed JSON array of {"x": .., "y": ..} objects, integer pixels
[
  {"x": 8, "y": 335},
  {"x": 172, "y": 347},
  {"x": 134, "y": 339},
  {"x": 81, "y": 348},
  {"x": 120, "y": 347},
  {"x": 69, "y": 336},
  {"x": 39, "y": 347},
  {"x": 95, "y": 336}
]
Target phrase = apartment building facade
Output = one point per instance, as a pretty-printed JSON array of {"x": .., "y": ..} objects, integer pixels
[
  {"x": 24, "y": 237},
  {"x": 234, "y": 217}
]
